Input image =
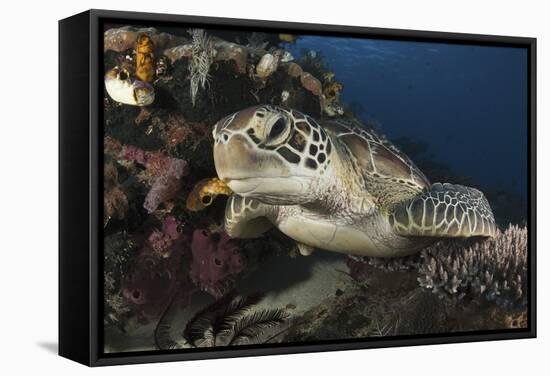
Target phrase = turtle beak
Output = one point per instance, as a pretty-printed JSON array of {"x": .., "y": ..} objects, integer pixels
[{"x": 234, "y": 157}]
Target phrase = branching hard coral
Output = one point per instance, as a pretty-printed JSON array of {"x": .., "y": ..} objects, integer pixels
[
  {"x": 495, "y": 268},
  {"x": 232, "y": 320},
  {"x": 201, "y": 58}
]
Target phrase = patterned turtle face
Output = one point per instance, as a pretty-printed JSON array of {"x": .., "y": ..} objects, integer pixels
[{"x": 271, "y": 153}]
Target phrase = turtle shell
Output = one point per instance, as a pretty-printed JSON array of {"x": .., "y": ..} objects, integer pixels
[{"x": 380, "y": 163}]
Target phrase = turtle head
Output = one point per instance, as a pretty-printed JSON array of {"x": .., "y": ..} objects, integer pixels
[{"x": 271, "y": 154}]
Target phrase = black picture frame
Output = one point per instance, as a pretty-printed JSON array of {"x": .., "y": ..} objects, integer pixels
[{"x": 80, "y": 182}]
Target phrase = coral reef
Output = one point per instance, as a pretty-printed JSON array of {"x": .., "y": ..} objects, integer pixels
[
  {"x": 257, "y": 43},
  {"x": 495, "y": 269},
  {"x": 231, "y": 52},
  {"x": 178, "y": 52},
  {"x": 115, "y": 202},
  {"x": 358, "y": 265},
  {"x": 162, "y": 172},
  {"x": 294, "y": 70},
  {"x": 162, "y": 67},
  {"x": 232, "y": 320},
  {"x": 241, "y": 72},
  {"x": 331, "y": 96},
  {"x": 122, "y": 88},
  {"x": 166, "y": 186},
  {"x": 131, "y": 84},
  {"x": 155, "y": 276},
  {"x": 205, "y": 192},
  {"x": 201, "y": 58},
  {"x": 118, "y": 261},
  {"x": 220, "y": 50},
  {"x": 163, "y": 241},
  {"x": 216, "y": 258},
  {"x": 267, "y": 66},
  {"x": 314, "y": 62},
  {"x": 145, "y": 58},
  {"x": 124, "y": 38},
  {"x": 311, "y": 83}
]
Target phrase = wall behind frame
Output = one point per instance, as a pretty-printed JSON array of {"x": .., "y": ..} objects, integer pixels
[{"x": 28, "y": 148}]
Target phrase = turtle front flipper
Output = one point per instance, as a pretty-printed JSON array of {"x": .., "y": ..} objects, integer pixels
[
  {"x": 446, "y": 211},
  {"x": 246, "y": 218}
]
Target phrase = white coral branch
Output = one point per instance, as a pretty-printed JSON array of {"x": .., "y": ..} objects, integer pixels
[
  {"x": 495, "y": 268},
  {"x": 202, "y": 56}
]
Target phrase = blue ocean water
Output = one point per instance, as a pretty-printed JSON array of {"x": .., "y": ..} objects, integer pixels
[{"x": 467, "y": 103}]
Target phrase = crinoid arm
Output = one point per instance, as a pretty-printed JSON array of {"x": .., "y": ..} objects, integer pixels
[
  {"x": 246, "y": 217},
  {"x": 445, "y": 211}
]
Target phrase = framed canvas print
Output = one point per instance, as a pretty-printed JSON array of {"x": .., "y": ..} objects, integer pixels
[{"x": 240, "y": 187}]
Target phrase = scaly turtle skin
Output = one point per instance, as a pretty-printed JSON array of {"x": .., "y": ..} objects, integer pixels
[{"x": 335, "y": 186}]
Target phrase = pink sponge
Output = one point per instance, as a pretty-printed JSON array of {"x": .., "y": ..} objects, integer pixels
[{"x": 216, "y": 257}]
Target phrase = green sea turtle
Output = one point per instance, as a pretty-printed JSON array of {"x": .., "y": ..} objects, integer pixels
[{"x": 337, "y": 186}]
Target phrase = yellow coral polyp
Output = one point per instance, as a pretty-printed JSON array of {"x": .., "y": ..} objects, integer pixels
[{"x": 204, "y": 193}]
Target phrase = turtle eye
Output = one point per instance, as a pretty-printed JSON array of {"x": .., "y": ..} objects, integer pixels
[
  {"x": 278, "y": 131},
  {"x": 277, "y": 128}
]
